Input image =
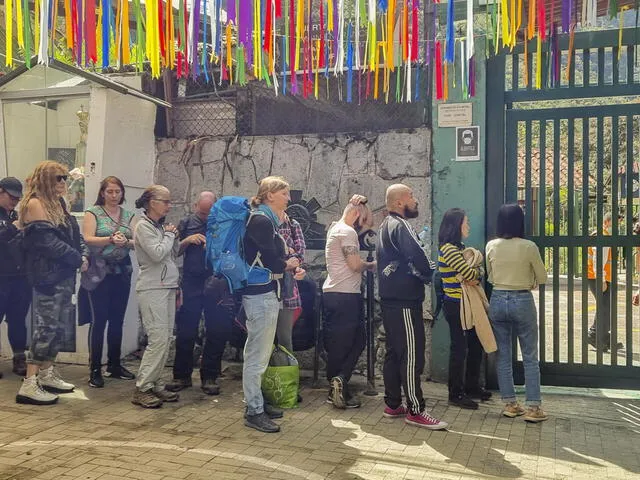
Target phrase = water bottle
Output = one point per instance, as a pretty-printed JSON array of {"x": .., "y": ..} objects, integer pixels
[{"x": 424, "y": 236}]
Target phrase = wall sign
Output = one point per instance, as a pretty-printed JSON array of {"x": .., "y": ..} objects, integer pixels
[
  {"x": 455, "y": 114},
  {"x": 467, "y": 144}
]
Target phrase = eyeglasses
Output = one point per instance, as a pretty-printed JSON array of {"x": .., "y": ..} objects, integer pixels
[
  {"x": 62, "y": 178},
  {"x": 166, "y": 202}
]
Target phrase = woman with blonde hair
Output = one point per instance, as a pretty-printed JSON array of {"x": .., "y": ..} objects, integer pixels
[
  {"x": 54, "y": 251},
  {"x": 156, "y": 245},
  {"x": 264, "y": 246}
]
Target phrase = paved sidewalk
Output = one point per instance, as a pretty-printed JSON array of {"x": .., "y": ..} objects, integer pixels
[{"x": 99, "y": 434}]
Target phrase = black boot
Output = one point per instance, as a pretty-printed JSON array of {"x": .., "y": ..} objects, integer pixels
[
  {"x": 95, "y": 378},
  {"x": 20, "y": 364}
]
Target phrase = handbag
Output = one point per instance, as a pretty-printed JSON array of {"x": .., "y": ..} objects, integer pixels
[
  {"x": 281, "y": 379},
  {"x": 96, "y": 272}
]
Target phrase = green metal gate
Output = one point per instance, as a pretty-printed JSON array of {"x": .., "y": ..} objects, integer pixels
[{"x": 568, "y": 153}]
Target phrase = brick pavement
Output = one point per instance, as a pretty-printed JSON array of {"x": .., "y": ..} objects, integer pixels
[{"x": 99, "y": 434}]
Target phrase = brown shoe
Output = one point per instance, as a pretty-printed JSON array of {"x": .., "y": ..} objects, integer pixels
[
  {"x": 146, "y": 399},
  {"x": 535, "y": 415},
  {"x": 166, "y": 395},
  {"x": 513, "y": 409}
]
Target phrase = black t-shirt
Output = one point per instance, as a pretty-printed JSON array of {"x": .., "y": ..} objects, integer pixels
[{"x": 194, "y": 255}]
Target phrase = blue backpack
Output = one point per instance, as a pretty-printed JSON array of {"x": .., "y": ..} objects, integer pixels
[{"x": 226, "y": 227}]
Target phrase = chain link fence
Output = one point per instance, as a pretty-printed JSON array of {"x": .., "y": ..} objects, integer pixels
[{"x": 204, "y": 108}]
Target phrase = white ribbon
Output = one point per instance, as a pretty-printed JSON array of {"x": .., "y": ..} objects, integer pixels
[{"x": 43, "y": 47}]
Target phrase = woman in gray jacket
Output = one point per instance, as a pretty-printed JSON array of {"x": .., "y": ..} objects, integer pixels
[{"x": 156, "y": 247}]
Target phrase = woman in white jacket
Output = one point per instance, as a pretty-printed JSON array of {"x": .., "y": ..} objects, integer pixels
[{"x": 156, "y": 247}]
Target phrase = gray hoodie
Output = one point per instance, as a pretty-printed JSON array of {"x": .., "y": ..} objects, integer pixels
[{"x": 156, "y": 251}]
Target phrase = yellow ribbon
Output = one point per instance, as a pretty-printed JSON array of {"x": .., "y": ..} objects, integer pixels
[
  {"x": 229, "y": 55},
  {"x": 36, "y": 20},
  {"x": 376, "y": 81},
  {"x": 531, "y": 24},
  {"x": 391, "y": 19},
  {"x": 329, "y": 16},
  {"x": 315, "y": 83},
  {"x": 506, "y": 36},
  {"x": 19, "y": 23},
  {"x": 299, "y": 30},
  {"x": 126, "y": 52},
  {"x": 621, "y": 22},
  {"x": 539, "y": 63},
  {"x": 8, "y": 20}
]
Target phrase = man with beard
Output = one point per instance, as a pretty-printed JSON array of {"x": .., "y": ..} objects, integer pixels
[
  {"x": 403, "y": 270},
  {"x": 343, "y": 321}
]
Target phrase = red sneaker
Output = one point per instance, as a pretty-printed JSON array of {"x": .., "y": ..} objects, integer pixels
[
  {"x": 389, "y": 412},
  {"x": 425, "y": 420}
]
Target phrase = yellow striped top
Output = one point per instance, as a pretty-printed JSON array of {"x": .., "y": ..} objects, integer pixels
[{"x": 451, "y": 263}]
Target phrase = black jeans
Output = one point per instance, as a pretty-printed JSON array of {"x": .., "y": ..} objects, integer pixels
[
  {"x": 602, "y": 319},
  {"x": 344, "y": 333},
  {"x": 404, "y": 359},
  {"x": 465, "y": 354},
  {"x": 15, "y": 298},
  {"x": 218, "y": 324},
  {"x": 108, "y": 304}
]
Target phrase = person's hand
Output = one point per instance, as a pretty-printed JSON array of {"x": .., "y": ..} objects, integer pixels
[
  {"x": 371, "y": 266},
  {"x": 196, "y": 239},
  {"x": 605, "y": 285},
  {"x": 85, "y": 264},
  {"x": 169, "y": 227},
  {"x": 299, "y": 273},
  {"x": 119, "y": 240},
  {"x": 178, "y": 298},
  {"x": 292, "y": 264},
  {"x": 472, "y": 283},
  {"x": 358, "y": 199},
  {"x": 636, "y": 299}
]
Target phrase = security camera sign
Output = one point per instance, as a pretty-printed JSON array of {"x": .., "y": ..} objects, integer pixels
[{"x": 467, "y": 144}]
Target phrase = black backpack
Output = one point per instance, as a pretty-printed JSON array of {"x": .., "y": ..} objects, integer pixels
[{"x": 439, "y": 293}]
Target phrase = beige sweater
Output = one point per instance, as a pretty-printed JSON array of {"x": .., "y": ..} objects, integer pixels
[{"x": 514, "y": 264}]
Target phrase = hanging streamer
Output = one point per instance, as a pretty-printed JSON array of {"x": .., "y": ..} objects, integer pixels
[
  {"x": 449, "y": 46},
  {"x": 349, "y": 64},
  {"x": 8, "y": 22},
  {"x": 438, "y": 74},
  {"x": 43, "y": 50},
  {"x": 106, "y": 30}
]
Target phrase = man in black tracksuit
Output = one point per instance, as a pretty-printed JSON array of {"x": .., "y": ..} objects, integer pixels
[
  {"x": 403, "y": 270},
  {"x": 15, "y": 291}
]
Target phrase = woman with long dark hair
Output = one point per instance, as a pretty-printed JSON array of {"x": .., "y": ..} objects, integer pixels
[
  {"x": 465, "y": 354},
  {"x": 514, "y": 267},
  {"x": 104, "y": 294},
  {"x": 54, "y": 251}
]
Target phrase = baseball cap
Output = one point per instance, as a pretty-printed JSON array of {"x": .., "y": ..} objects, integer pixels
[{"x": 12, "y": 186}]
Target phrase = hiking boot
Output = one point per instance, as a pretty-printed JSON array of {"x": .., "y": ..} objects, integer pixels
[
  {"x": 513, "y": 409},
  {"x": 463, "y": 401},
  {"x": 337, "y": 393},
  {"x": 261, "y": 422},
  {"x": 50, "y": 380},
  {"x": 32, "y": 393},
  {"x": 330, "y": 396},
  {"x": 146, "y": 399},
  {"x": 535, "y": 415},
  {"x": 273, "y": 412},
  {"x": 95, "y": 378},
  {"x": 166, "y": 396},
  {"x": 591, "y": 338},
  {"x": 424, "y": 420},
  {"x": 119, "y": 372},
  {"x": 178, "y": 384},
  {"x": 19, "y": 365},
  {"x": 210, "y": 387},
  {"x": 352, "y": 402},
  {"x": 479, "y": 394},
  {"x": 389, "y": 412}
]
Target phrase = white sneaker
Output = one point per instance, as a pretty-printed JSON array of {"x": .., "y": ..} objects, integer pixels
[
  {"x": 50, "y": 380},
  {"x": 32, "y": 393}
]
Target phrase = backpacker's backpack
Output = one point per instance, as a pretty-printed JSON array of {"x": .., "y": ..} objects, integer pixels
[{"x": 226, "y": 227}]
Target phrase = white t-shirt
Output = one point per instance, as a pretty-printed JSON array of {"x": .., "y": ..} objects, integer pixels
[{"x": 341, "y": 279}]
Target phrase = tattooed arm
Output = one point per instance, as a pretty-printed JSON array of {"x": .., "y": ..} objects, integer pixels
[{"x": 354, "y": 262}]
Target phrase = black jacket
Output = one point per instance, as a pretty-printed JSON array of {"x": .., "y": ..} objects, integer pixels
[
  {"x": 53, "y": 253},
  {"x": 261, "y": 236},
  {"x": 403, "y": 266},
  {"x": 11, "y": 258},
  {"x": 194, "y": 264}
]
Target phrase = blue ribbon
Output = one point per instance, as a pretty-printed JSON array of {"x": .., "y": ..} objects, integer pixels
[
  {"x": 449, "y": 51},
  {"x": 383, "y": 5},
  {"x": 284, "y": 65},
  {"x": 106, "y": 29},
  {"x": 349, "y": 64},
  {"x": 204, "y": 39}
]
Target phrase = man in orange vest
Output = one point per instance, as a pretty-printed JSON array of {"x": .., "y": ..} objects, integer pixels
[{"x": 602, "y": 319}]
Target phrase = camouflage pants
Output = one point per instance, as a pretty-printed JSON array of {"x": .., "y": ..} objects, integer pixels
[{"x": 52, "y": 315}]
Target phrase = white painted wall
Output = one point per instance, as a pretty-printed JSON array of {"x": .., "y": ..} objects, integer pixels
[{"x": 120, "y": 142}]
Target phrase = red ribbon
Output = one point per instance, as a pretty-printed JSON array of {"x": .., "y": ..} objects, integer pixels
[
  {"x": 542, "y": 26},
  {"x": 292, "y": 47},
  {"x": 90, "y": 22},
  {"x": 163, "y": 50},
  {"x": 278, "y": 8},
  {"x": 414, "y": 32},
  {"x": 266, "y": 43},
  {"x": 439, "y": 86},
  {"x": 321, "y": 53}
]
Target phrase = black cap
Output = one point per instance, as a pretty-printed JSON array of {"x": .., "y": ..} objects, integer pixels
[{"x": 12, "y": 186}]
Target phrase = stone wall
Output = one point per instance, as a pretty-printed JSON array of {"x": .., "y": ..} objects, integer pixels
[{"x": 327, "y": 168}]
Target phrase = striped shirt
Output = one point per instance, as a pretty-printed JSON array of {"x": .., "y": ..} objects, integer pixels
[{"x": 451, "y": 264}]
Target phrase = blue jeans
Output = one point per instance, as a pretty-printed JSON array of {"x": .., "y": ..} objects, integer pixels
[
  {"x": 262, "y": 318},
  {"x": 513, "y": 312}
]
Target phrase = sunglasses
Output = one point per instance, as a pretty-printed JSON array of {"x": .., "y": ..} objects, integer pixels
[{"x": 62, "y": 178}]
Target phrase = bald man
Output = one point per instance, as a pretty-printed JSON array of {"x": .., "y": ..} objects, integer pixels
[
  {"x": 403, "y": 270},
  {"x": 192, "y": 230}
]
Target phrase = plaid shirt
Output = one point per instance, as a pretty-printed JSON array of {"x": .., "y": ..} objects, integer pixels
[{"x": 292, "y": 234}]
